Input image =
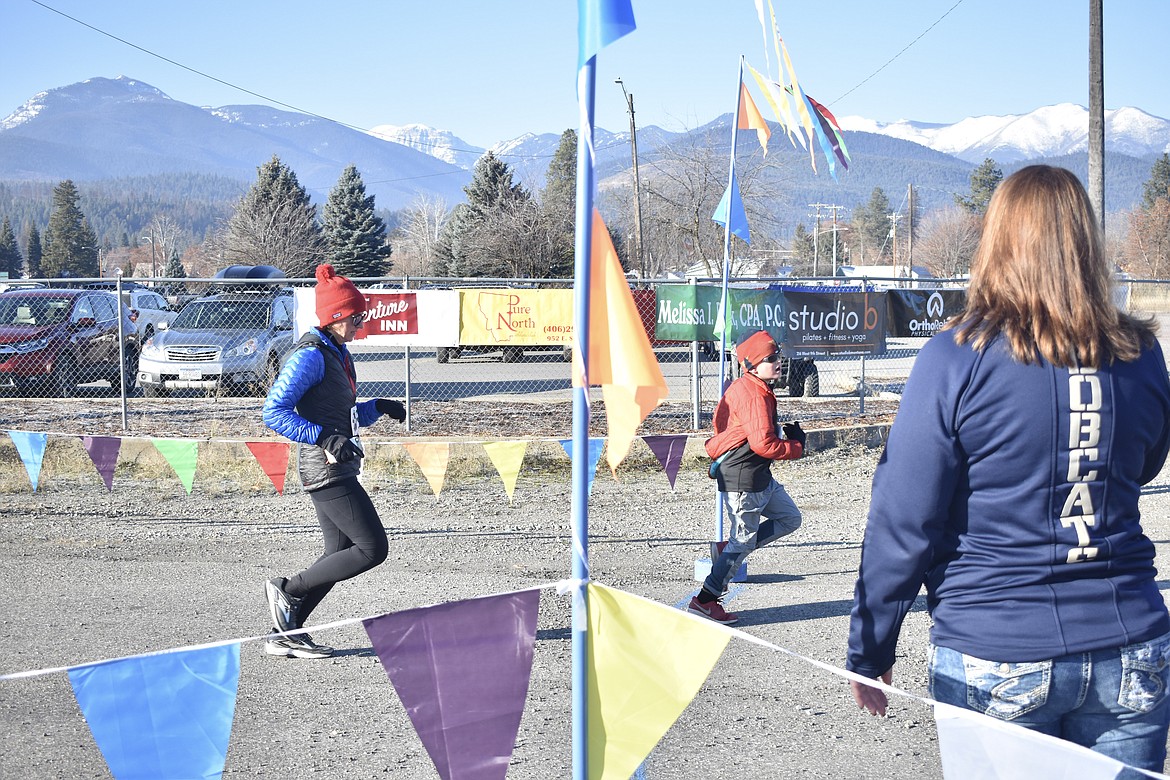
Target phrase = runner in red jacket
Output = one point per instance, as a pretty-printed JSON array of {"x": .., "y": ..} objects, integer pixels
[{"x": 746, "y": 441}]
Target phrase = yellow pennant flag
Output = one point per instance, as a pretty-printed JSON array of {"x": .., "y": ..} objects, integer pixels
[
  {"x": 778, "y": 100},
  {"x": 750, "y": 118},
  {"x": 432, "y": 458},
  {"x": 645, "y": 664},
  {"x": 507, "y": 457},
  {"x": 620, "y": 357}
]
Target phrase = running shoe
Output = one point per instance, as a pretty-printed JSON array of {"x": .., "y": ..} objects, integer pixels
[
  {"x": 713, "y": 611},
  {"x": 282, "y": 606},
  {"x": 296, "y": 646}
]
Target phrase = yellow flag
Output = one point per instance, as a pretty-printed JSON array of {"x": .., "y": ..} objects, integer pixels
[
  {"x": 646, "y": 662},
  {"x": 750, "y": 118},
  {"x": 620, "y": 357},
  {"x": 432, "y": 458},
  {"x": 507, "y": 457}
]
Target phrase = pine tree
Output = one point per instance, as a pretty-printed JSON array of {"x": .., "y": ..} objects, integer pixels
[
  {"x": 10, "y": 257},
  {"x": 32, "y": 252},
  {"x": 871, "y": 226},
  {"x": 355, "y": 237},
  {"x": 984, "y": 180},
  {"x": 275, "y": 224},
  {"x": 803, "y": 250},
  {"x": 175, "y": 270},
  {"x": 558, "y": 203},
  {"x": 1158, "y": 185},
  {"x": 70, "y": 246}
]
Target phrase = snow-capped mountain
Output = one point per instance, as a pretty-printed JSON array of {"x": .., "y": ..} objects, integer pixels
[
  {"x": 1051, "y": 131},
  {"x": 442, "y": 144}
]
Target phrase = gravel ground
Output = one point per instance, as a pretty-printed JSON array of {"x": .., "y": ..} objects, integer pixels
[{"x": 92, "y": 575}]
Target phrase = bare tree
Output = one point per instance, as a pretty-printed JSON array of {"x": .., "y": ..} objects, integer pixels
[
  {"x": 1147, "y": 252},
  {"x": 947, "y": 241},
  {"x": 416, "y": 237}
]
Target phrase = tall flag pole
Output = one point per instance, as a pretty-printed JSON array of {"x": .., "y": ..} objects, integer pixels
[
  {"x": 599, "y": 23},
  {"x": 723, "y": 322}
]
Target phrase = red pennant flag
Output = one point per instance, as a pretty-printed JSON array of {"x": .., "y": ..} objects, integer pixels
[{"x": 273, "y": 458}]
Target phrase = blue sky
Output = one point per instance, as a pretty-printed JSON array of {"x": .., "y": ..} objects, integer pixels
[{"x": 491, "y": 71}]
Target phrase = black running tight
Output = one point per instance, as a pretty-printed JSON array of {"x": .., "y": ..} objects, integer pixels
[{"x": 355, "y": 542}]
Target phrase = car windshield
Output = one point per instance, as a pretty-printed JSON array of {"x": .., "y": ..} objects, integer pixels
[
  {"x": 223, "y": 315},
  {"x": 19, "y": 310}
]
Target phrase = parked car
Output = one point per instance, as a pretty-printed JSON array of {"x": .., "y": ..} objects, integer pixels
[
  {"x": 52, "y": 340},
  {"x": 147, "y": 306},
  {"x": 231, "y": 342}
]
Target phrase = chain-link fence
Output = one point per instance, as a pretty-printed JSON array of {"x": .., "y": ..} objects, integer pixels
[{"x": 502, "y": 340}]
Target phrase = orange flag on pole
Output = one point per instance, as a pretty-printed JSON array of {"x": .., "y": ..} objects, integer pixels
[
  {"x": 620, "y": 357},
  {"x": 750, "y": 118}
]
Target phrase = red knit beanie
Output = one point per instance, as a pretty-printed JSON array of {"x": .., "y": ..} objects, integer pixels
[
  {"x": 752, "y": 350},
  {"x": 336, "y": 296}
]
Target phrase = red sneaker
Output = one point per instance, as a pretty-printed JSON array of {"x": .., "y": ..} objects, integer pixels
[{"x": 712, "y": 610}]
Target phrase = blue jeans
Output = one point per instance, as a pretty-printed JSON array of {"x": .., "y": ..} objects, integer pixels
[
  {"x": 1115, "y": 701},
  {"x": 756, "y": 520}
]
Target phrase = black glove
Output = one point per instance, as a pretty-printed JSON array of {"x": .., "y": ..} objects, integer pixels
[
  {"x": 793, "y": 432},
  {"x": 339, "y": 445},
  {"x": 392, "y": 408}
]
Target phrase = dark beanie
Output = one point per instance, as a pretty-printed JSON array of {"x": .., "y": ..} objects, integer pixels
[
  {"x": 337, "y": 297},
  {"x": 752, "y": 350}
]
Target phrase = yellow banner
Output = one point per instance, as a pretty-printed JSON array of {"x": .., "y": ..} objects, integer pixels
[{"x": 519, "y": 317}]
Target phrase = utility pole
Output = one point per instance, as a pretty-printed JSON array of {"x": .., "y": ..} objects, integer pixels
[
  {"x": 894, "y": 238},
  {"x": 637, "y": 181},
  {"x": 816, "y": 234},
  {"x": 833, "y": 208},
  {"x": 910, "y": 237},
  {"x": 1096, "y": 112}
]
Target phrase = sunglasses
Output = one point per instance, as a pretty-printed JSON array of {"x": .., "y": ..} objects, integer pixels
[
  {"x": 358, "y": 319},
  {"x": 773, "y": 358}
]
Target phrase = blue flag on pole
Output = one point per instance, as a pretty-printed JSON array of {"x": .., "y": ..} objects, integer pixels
[
  {"x": 601, "y": 22},
  {"x": 731, "y": 201}
]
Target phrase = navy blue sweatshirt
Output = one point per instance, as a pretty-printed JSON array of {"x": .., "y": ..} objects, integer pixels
[{"x": 1011, "y": 492}]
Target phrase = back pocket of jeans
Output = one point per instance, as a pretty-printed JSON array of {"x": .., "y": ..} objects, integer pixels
[
  {"x": 1143, "y": 674},
  {"x": 1006, "y": 690}
]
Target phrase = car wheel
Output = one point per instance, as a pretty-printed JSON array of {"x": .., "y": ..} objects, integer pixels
[
  {"x": 63, "y": 380},
  {"x": 271, "y": 369},
  {"x": 129, "y": 373},
  {"x": 812, "y": 383}
]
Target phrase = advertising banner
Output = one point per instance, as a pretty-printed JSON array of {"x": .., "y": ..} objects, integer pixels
[
  {"x": 402, "y": 318},
  {"x": 922, "y": 313},
  {"x": 689, "y": 313},
  {"x": 515, "y": 317},
  {"x": 823, "y": 324}
]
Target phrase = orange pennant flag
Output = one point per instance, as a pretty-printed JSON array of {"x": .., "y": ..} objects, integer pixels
[
  {"x": 750, "y": 118},
  {"x": 273, "y": 458},
  {"x": 620, "y": 357},
  {"x": 432, "y": 458}
]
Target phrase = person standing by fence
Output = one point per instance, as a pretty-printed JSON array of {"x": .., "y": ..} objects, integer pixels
[
  {"x": 314, "y": 402},
  {"x": 1009, "y": 487}
]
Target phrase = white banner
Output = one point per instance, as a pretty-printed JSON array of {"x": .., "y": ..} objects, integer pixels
[{"x": 400, "y": 318}]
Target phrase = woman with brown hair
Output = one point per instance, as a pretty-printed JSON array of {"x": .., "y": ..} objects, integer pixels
[{"x": 1009, "y": 487}]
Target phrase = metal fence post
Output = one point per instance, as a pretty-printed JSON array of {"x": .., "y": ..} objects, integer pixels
[{"x": 696, "y": 377}]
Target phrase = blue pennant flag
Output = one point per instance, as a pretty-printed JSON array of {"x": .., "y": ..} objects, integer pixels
[
  {"x": 732, "y": 200},
  {"x": 595, "y": 447},
  {"x": 165, "y": 715},
  {"x": 600, "y": 23},
  {"x": 31, "y": 448}
]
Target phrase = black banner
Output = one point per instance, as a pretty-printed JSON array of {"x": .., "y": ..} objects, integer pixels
[
  {"x": 820, "y": 324},
  {"x": 922, "y": 313}
]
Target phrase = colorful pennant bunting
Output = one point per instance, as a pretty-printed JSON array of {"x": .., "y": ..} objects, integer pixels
[
  {"x": 103, "y": 452},
  {"x": 182, "y": 454},
  {"x": 507, "y": 457},
  {"x": 669, "y": 451},
  {"x": 595, "y": 447},
  {"x": 432, "y": 458},
  {"x": 273, "y": 458},
  {"x": 31, "y": 448}
]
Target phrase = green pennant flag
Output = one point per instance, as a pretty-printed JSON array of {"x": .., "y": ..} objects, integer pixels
[{"x": 181, "y": 454}]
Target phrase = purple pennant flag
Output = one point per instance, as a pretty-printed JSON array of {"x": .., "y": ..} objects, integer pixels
[
  {"x": 462, "y": 670},
  {"x": 103, "y": 451},
  {"x": 165, "y": 715},
  {"x": 669, "y": 451}
]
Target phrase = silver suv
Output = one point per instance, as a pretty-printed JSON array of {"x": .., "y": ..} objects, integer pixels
[{"x": 230, "y": 342}]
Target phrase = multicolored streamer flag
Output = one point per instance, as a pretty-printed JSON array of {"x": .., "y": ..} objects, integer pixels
[
  {"x": 750, "y": 118},
  {"x": 273, "y": 458},
  {"x": 620, "y": 357},
  {"x": 103, "y": 453},
  {"x": 164, "y": 715},
  {"x": 595, "y": 447},
  {"x": 507, "y": 457},
  {"x": 601, "y": 22},
  {"x": 182, "y": 454},
  {"x": 731, "y": 203},
  {"x": 975, "y": 746},
  {"x": 462, "y": 671},
  {"x": 31, "y": 448},
  {"x": 669, "y": 451},
  {"x": 646, "y": 663},
  {"x": 432, "y": 458}
]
